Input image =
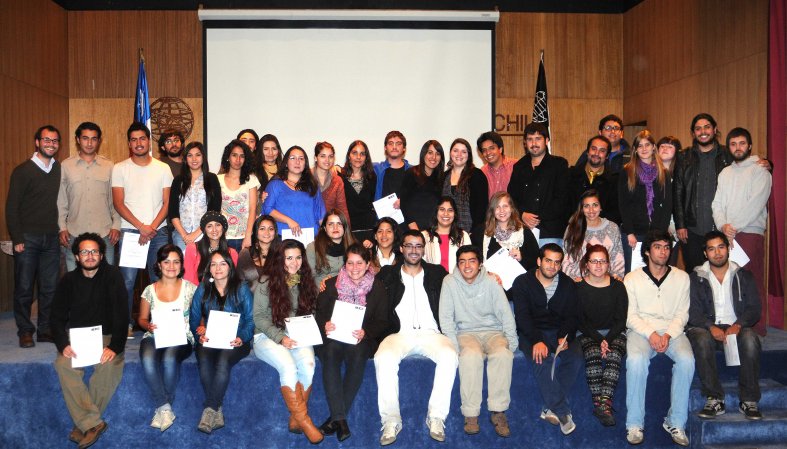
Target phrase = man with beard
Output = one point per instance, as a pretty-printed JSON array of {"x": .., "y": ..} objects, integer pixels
[
  {"x": 538, "y": 186},
  {"x": 90, "y": 296},
  {"x": 84, "y": 202},
  {"x": 658, "y": 311},
  {"x": 611, "y": 127},
  {"x": 498, "y": 166},
  {"x": 170, "y": 146},
  {"x": 413, "y": 289},
  {"x": 595, "y": 174},
  {"x": 724, "y": 302},
  {"x": 740, "y": 207},
  {"x": 545, "y": 307},
  {"x": 31, "y": 214}
]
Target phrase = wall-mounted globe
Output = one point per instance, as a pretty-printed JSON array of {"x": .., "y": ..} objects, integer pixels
[{"x": 171, "y": 113}]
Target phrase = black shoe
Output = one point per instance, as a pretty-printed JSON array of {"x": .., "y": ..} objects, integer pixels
[
  {"x": 750, "y": 410},
  {"x": 45, "y": 338},
  {"x": 26, "y": 340},
  {"x": 343, "y": 430},
  {"x": 713, "y": 408},
  {"x": 603, "y": 411},
  {"x": 329, "y": 427}
]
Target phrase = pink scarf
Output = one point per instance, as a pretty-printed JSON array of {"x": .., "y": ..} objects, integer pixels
[{"x": 352, "y": 292}]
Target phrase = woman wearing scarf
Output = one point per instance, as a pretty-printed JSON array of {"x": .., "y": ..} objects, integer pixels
[
  {"x": 326, "y": 253},
  {"x": 197, "y": 255},
  {"x": 505, "y": 229},
  {"x": 644, "y": 194},
  {"x": 355, "y": 284}
]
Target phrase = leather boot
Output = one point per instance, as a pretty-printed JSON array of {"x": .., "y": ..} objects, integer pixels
[
  {"x": 293, "y": 425},
  {"x": 297, "y": 407}
]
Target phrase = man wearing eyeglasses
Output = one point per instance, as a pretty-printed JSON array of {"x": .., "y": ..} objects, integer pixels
[
  {"x": 31, "y": 214},
  {"x": 170, "y": 147},
  {"x": 611, "y": 127},
  {"x": 84, "y": 202},
  {"x": 91, "y": 296},
  {"x": 413, "y": 288}
]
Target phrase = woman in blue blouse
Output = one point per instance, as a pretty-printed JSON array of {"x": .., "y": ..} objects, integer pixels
[
  {"x": 294, "y": 199},
  {"x": 221, "y": 289}
]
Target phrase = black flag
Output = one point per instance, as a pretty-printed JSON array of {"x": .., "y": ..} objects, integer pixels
[{"x": 540, "y": 105}]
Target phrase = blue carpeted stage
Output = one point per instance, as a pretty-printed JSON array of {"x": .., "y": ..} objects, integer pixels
[{"x": 34, "y": 414}]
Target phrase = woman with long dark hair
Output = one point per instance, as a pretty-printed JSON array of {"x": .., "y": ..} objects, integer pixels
[
  {"x": 197, "y": 257},
  {"x": 251, "y": 260},
  {"x": 360, "y": 182},
  {"x": 587, "y": 227},
  {"x": 294, "y": 199},
  {"x": 326, "y": 253},
  {"x": 194, "y": 191},
  {"x": 269, "y": 157},
  {"x": 161, "y": 366},
  {"x": 385, "y": 246},
  {"x": 445, "y": 235},
  {"x": 355, "y": 284},
  {"x": 287, "y": 289},
  {"x": 239, "y": 189},
  {"x": 505, "y": 229},
  {"x": 329, "y": 181},
  {"x": 468, "y": 186},
  {"x": 422, "y": 186},
  {"x": 221, "y": 289}
]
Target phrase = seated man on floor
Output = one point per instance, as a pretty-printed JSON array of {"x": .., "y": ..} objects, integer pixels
[
  {"x": 92, "y": 295},
  {"x": 545, "y": 307},
  {"x": 724, "y": 301},
  {"x": 658, "y": 312},
  {"x": 413, "y": 288},
  {"x": 475, "y": 315}
]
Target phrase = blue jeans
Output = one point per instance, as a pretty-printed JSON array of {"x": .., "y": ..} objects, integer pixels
[
  {"x": 638, "y": 358},
  {"x": 236, "y": 244},
  {"x": 177, "y": 240},
  {"x": 130, "y": 274},
  {"x": 40, "y": 260},
  {"x": 215, "y": 366},
  {"x": 162, "y": 369},
  {"x": 71, "y": 263},
  {"x": 555, "y": 392},
  {"x": 293, "y": 365}
]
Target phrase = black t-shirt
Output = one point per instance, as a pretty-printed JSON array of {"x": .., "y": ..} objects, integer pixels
[{"x": 392, "y": 180}]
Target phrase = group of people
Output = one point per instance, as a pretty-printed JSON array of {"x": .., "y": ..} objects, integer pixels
[{"x": 214, "y": 244}]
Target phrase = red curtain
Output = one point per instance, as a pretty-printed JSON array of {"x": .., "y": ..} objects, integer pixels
[{"x": 777, "y": 140}]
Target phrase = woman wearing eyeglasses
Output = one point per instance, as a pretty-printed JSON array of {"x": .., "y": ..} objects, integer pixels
[
  {"x": 603, "y": 304},
  {"x": 294, "y": 199}
]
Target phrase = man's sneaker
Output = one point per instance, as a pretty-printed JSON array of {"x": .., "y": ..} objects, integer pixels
[
  {"x": 713, "y": 408},
  {"x": 471, "y": 425},
  {"x": 156, "y": 421},
  {"x": 678, "y": 434},
  {"x": 634, "y": 435},
  {"x": 550, "y": 417},
  {"x": 567, "y": 424},
  {"x": 750, "y": 410},
  {"x": 130, "y": 332},
  {"x": 390, "y": 431},
  {"x": 436, "y": 429},
  {"x": 167, "y": 419}
]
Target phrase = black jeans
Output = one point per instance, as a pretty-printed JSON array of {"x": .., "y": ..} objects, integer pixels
[
  {"x": 339, "y": 392},
  {"x": 693, "y": 251},
  {"x": 39, "y": 261},
  {"x": 705, "y": 346}
]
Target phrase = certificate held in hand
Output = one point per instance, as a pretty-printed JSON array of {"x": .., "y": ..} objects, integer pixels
[
  {"x": 303, "y": 330},
  {"x": 347, "y": 318},
  {"x": 222, "y": 329},
  {"x": 170, "y": 327},
  {"x": 88, "y": 345}
]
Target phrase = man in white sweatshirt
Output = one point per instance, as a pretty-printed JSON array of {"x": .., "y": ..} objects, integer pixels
[
  {"x": 476, "y": 317},
  {"x": 740, "y": 207}
]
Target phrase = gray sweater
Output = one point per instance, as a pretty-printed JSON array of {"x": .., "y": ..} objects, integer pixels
[
  {"x": 263, "y": 317},
  {"x": 478, "y": 307}
]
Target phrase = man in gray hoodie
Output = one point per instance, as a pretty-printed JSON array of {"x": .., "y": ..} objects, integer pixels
[{"x": 476, "y": 317}]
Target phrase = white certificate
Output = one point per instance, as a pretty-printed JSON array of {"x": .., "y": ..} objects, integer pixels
[
  {"x": 170, "y": 326},
  {"x": 738, "y": 255},
  {"x": 132, "y": 254},
  {"x": 222, "y": 329},
  {"x": 385, "y": 208},
  {"x": 731, "y": 355},
  {"x": 536, "y": 233},
  {"x": 306, "y": 237},
  {"x": 347, "y": 317},
  {"x": 88, "y": 345},
  {"x": 504, "y": 266},
  {"x": 303, "y": 330},
  {"x": 636, "y": 257}
]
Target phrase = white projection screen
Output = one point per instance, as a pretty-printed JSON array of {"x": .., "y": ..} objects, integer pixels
[{"x": 325, "y": 82}]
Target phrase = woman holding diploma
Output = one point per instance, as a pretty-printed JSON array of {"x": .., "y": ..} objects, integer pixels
[
  {"x": 287, "y": 289},
  {"x": 354, "y": 285},
  {"x": 326, "y": 253},
  {"x": 505, "y": 229},
  {"x": 162, "y": 365},
  {"x": 221, "y": 290}
]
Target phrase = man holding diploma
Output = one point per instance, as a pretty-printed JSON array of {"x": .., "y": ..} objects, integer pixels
[{"x": 92, "y": 295}]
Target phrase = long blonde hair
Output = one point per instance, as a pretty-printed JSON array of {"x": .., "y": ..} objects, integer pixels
[
  {"x": 514, "y": 222},
  {"x": 632, "y": 167}
]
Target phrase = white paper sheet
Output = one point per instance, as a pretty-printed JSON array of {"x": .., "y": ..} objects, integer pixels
[
  {"x": 132, "y": 254},
  {"x": 222, "y": 329},
  {"x": 170, "y": 326},
  {"x": 738, "y": 255},
  {"x": 88, "y": 344},
  {"x": 731, "y": 355},
  {"x": 385, "y": 208},
  {"x": 303, "y": 330},
  {"x": 636, "y": 258},
  {"x": 347, "y": 318},
  {"x": 505, "y": 266},
  {"x": 557, "y": 353},
  {"x": 306, "y": 237},
  {"x": 536, "y": 233}
]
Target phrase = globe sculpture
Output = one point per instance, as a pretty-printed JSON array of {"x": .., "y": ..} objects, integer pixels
[{"x": 171, "y": 114}]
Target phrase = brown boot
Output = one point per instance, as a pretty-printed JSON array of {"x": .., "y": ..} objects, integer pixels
[
  {"x": 293, "y": 424},
  {"x": 297, "y": 408}
]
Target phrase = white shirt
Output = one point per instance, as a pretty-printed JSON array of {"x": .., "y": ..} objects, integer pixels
[
  {"x": 383, "y": 261},
  {"x": 722, "y": 298},
  {"x": 143, "y": 188},
  {"x": 40, "y": 163},
  {"x": 413, "y": 310}
]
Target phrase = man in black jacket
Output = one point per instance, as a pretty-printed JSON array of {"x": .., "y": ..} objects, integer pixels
[
  {"x": 545, "y": 307},
  {"x": 595, "y": 174},
  {"x": 413, "y": 288},
  {"x": 724, "y": 302}
]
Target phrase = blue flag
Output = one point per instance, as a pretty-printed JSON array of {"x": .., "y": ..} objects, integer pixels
[{"x": 142, "y": 101}]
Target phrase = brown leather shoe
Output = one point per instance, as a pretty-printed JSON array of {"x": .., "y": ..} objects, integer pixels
[
  {"x": 501, "y": 424},
  {"x": 91, "y": 436},
  {"x": 26, "y": 340},
  {"x": 76, "y": 435},
  {"x": 471, "y": 425}
]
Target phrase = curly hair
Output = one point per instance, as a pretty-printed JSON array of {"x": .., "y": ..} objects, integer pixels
[{"x": 279, "y": 293}]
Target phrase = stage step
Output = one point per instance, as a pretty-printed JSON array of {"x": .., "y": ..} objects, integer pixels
[
  {"x": 774, "y": 395},
  {"x": 733, "y": 429}
]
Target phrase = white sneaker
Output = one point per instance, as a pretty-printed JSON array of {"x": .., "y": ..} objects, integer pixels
[
  {"x": 634, "y": 435},
  {"x": 678, "y": 434},
  {"x": 550, "y": 417},
  {"x": 167, "y": 418},
  {"x": 156, "y": 422},
  {"x": 567, "y": 424},
  {"x": 390, "y": 431},
  {"x": 436, "y": 429}
]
